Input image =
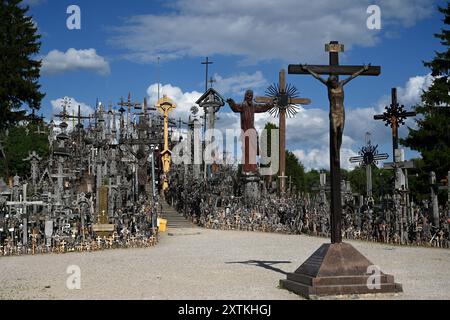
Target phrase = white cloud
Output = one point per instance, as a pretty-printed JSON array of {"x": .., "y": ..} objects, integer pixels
[
  {"x": 238, "y": 84},
  {"x": 58, "y": 62},
  {"x": 72, "y": 109},
  {"x": 183, "y": 100},
  {"x": 258, "y": 30},
  {"x": 319, "y": 158},
  {"x": 411, "y": 94}
]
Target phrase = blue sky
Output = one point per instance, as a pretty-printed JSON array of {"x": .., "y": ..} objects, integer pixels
[{"x": 249, "y": 41}]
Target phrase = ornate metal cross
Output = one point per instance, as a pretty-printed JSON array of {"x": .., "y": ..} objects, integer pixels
[{"x": 394, "y": 116}]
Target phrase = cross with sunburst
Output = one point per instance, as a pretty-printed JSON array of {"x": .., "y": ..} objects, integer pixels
[{"x": 286, "y": 97}]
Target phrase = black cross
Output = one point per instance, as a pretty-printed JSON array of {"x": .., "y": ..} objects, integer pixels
[
  {"x": 334, "y": 47},
  {"x": 394, "y": 116},
  {"x": 206, "y": 62}
]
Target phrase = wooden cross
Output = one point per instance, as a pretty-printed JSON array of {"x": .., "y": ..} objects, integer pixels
[
  {"x": 62, "y": 245},
  {"x": 334, "y": 69},
  {"x": 34, "y": 236},
  {"x": 110, "y": 241},
  {"x": 283, "y": 102},
  {"x": 394, "y": 116},
  {"x": 211, "y": 81},
  {"x": 165, "y": 105},
  {"x": 99, "y": 242}
]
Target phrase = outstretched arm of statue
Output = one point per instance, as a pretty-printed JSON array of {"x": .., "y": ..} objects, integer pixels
[
  {"x": 315, "y": 75},
  {"x": 265, "y": 107},
  {"x": 235, "y": 107},
  {"x": 353, "y": 76}
]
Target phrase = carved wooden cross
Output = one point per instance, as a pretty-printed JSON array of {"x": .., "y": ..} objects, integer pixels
[
  {"x": 334, "y": 69},
  {"x": 284, "y": 100},
  {"x": 165, "y": 105}
]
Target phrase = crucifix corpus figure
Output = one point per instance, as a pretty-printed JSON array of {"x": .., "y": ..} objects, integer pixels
[
  {"x": 336, "y": 98},
  {"x": 247, "y": 109}
]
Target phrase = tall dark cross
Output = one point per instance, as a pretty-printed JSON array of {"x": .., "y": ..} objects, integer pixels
[
  {"x": 206, "y": 63},
  {"x": 336, "y": 97},
  {"x": 286, "y": 97},
  {"x": 394, "y": 116}
]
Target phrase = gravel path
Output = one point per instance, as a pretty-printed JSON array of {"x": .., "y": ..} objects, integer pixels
[{"x": 201, "y": 264}]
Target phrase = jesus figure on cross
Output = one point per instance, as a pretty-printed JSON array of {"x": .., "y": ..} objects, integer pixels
[
  {"x": 247, "y": 109},
  {"x": 336, "y": 97}
]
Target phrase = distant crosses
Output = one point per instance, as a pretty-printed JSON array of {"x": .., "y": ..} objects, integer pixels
[
  {"x": 286, "y": 98},
  {"x": 394, "y": 116},
  {"x": 368, "y": 156},
  {"x": 34, "y": 160},
  {"x": 206, "y": 63},
  {"x": 129, "y": 105}
]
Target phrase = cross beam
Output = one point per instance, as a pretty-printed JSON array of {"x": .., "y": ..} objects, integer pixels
[{"x": 338, "y": 70}]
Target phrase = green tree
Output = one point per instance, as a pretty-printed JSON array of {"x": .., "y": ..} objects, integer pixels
[
  {"x": 432, "y": 136},
  {"x": 17, "y": 145},
  {"x": 19, "y": 72},
  {"x": 295, "y": 171}
]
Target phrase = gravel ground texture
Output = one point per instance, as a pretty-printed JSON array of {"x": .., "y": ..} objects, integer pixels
[{"x": 202, "y": 264}]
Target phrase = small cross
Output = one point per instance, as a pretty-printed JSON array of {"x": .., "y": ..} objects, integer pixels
[
  {"x": 206, "y": 63},
  {"x": 211, "y": 81},
  {"x": 99, "y": 241}
]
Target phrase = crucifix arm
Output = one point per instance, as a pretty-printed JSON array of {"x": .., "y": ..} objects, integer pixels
[
  {"x": 315, "y": 75},
  {"x": 353, "y": 76},
  {"x": 235, "y": 107}
]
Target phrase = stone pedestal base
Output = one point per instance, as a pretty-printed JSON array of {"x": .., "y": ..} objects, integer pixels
[
  {"x": 251, "y": 186},
  {"x": 338, "y": 269}
]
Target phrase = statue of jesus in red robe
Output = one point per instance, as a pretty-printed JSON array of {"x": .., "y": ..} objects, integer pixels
[{"x": 247, "y": 109}]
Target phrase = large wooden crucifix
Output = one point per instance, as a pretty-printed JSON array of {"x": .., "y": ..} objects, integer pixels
[
  {"x": 285, "y": 98},
  {"x": 394, "y": 116},
  {"x": 336, "y": 268},
  {"x": 337, "y": 119}
]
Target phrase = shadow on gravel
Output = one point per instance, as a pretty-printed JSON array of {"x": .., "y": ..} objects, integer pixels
[{"x": 263, "y": 264}]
